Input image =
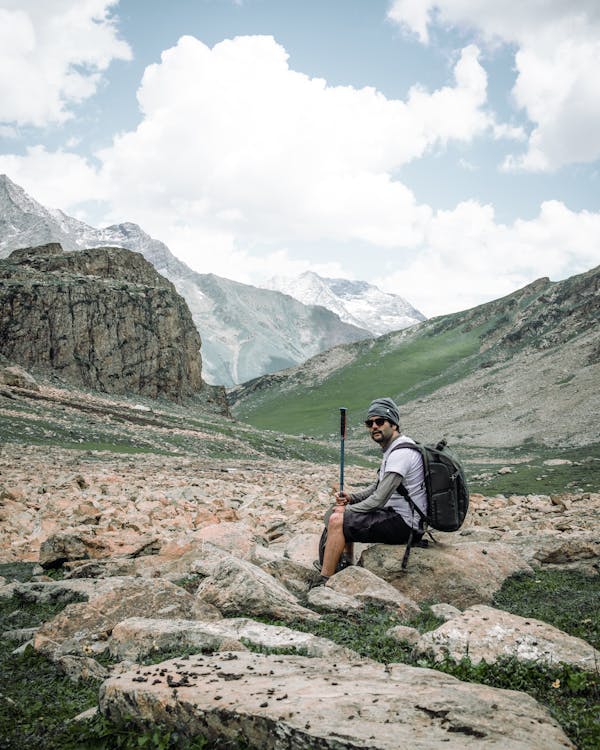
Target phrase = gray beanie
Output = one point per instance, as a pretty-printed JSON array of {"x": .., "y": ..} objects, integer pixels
[{"x": 384, "y": 407}]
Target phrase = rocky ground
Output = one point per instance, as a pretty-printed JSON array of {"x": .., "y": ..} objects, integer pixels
[{"x": 128, "y": 531}]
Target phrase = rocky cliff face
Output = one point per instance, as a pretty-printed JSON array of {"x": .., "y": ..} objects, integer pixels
[
  {"x": 101, "y": 318},
  {"x": 246, "y": 331}
]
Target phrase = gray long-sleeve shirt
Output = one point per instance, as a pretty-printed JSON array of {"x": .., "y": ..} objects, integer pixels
[{"x": 375, "y": 495}]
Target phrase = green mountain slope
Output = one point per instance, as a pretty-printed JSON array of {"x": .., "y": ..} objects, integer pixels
[{"x": 489, "y": 350}]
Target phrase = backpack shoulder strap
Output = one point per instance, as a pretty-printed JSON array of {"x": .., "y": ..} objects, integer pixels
[
  {"x": 402, "y": 489},
  {"x": 415, "y": 446}
]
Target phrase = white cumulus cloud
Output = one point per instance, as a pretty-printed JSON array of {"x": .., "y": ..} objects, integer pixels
[
  {"x": 558, "y": 52},
  {"x": 468, "y": 257},
  {"x": 52, "y": 55},
  {"x": 234, "y": 139},
  {"x": 57, "y": 179}
]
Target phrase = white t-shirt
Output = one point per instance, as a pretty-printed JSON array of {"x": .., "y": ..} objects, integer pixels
[{"x": 407, "y": 462}]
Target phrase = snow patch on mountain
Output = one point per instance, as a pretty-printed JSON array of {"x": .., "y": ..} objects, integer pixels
[{"x": 355, "y": 302}]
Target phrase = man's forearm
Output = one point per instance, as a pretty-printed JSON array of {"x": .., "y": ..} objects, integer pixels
[
  {"x": 356, "y": 497},
  {"x": 378, "y": 496}
]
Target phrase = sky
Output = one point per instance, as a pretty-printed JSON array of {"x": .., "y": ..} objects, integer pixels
[{"x": 448, "y": 151}]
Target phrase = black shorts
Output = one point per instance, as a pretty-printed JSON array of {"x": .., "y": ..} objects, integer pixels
[{"x": 384, "y": 526}]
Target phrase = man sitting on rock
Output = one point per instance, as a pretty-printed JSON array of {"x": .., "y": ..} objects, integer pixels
[{"x": 379, "y": 513}]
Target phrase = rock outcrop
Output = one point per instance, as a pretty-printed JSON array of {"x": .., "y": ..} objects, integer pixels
[{"x": 101, "y": 318}]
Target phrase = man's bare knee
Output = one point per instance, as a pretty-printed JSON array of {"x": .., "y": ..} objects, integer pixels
[{"x": 336, "y": 522}]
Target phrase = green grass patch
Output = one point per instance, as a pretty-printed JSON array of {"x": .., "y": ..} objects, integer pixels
[
  {"x": 533, "y": 476},
  {"x": 571, "y": 696},
  {"x": 38, "y": 704},
  {"x": 36, "y": 700},
  {"x": 17, "y": 571},
  {"x": 412, "y": 368},
  {"x": 566, "y": 599}
]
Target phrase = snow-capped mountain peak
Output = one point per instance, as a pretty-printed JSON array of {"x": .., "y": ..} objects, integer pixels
[{"x": 356, "y": 302}]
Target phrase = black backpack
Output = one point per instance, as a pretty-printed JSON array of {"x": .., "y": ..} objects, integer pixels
[{"x": 446, "y": 487}]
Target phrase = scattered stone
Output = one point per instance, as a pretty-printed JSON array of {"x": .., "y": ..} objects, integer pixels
[
  {"x": 81, "y": 668},
  {"x": 326, "y": 598},
  {"x": 86, "y": 715},
  {"x": 365, "y": 586},
  {"x": 295, "y": 577},
  {"x": 55, "y": 592},
  {"x": 445, "y": 611},
  {"x": 404, "y": 634},
  {"x": 62, "y": 547},
  {"x": 84, "y": 629},
  {"x": 136, "y": 638},
  {"x": 172, "y": 520}
]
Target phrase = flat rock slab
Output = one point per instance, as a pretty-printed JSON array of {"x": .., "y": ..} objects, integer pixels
[
  {"x": 138, "y": 637},
  {"x": 302, "y": 703},
  {"x": 485, "y": 633}
]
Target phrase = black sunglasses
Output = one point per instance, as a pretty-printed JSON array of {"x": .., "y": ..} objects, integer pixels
[{"x": 377, "y": 420}]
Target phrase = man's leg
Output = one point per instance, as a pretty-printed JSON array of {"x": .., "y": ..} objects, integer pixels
[{"x": 336, "y": 542}]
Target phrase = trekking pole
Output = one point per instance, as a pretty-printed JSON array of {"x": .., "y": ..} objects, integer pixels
[{"x": 342, "y": 442}]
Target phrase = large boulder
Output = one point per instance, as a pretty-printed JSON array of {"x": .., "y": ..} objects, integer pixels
[
  {"x": 294, "y": 576},
  {"x": 67, "y": 546},
  {"x": 71, "y": 546},
  {"x": 17, "y": 377},
  {"x": 460, "y": 574},
  {"x": 84, "y": 629},
  {"x": 486, "y": 634},
  {"x": 368, "y": 588},
  {"x": 239, "y": 587},
  {"x": 301, "y": 703}
]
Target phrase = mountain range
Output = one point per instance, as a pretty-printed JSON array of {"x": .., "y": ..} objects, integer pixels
[{"x": 246, "y": 331}]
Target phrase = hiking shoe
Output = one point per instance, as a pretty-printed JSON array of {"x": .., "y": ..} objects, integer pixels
[
  {"x": 320, "y": 581},
  {"x": 343, "y": 563}
]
